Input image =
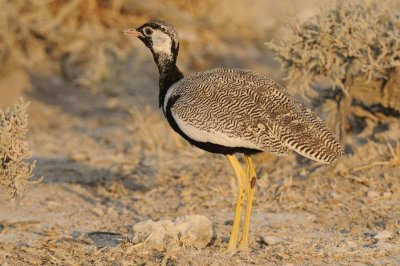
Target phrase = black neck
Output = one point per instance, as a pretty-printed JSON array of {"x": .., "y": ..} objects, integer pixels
[{"x": 169, "y": 74}]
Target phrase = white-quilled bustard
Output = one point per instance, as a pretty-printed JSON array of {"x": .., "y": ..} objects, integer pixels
[{"x": 230, "y": 111}]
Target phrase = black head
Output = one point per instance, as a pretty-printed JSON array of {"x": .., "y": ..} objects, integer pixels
[{"x": 160, "y": 37}]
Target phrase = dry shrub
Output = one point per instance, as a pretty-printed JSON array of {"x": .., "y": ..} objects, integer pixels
[
  {"x": 84, "y": 35},
  {"x": 15, "y": 173},
  {"x": 393, "y": 161},
  {"x": 356, "y": 46},
  {"x": 76, "y": 33}
]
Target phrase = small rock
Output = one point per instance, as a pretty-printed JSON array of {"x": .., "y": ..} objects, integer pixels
[
  {"x": 189, "y": 230},
  {"x": 335, "y": 195},
  {"x": 272, "y": 240},
  {"x": 387, "y": 194},
  {"x": 372, "y": 194},
  {"x": 105, "y": 239},
  {"x": 157, "y": 235},
  {"x": 351, "y": 244},
  {"x": 385, "y": 234},
  {"x": 194, "y": 230}
]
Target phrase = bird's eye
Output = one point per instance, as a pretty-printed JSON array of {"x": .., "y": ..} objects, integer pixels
[{"x": 148, "y": 31}]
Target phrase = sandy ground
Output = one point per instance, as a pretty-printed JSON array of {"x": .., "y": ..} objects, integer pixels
[{"x": 110, "y": 160}]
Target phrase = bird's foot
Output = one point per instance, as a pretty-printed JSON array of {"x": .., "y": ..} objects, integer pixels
[
  {"x": 231, "y": 249},
  {"x": 243, "y": 246}
]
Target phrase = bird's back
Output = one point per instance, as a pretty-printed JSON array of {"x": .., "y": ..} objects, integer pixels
[{"x": 236, "y": 107}]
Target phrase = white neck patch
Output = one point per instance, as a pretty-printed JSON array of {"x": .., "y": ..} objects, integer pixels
[{"x": 162, "y": 43}]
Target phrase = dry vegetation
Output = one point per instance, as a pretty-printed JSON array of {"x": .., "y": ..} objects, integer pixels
[
  {"x": 356, "y": 46},
  {"x": 15, "y": 172},
  {"x": 110, "y": 160},
  {"x": 74, "y": 34}
]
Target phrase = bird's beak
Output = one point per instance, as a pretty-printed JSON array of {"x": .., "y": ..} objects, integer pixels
[{"x": 132, "y": 32}]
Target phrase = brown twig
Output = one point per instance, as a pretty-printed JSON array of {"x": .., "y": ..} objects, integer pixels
[{"x": 394, "y": 161}]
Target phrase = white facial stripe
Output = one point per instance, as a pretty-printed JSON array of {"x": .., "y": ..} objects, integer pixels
[{"x": 161, "y": 42}]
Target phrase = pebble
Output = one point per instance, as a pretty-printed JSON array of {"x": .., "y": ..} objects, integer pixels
[
  {"x": 372, "y": 194},
  {"x": 385, "y": 234},
  {"x": 272, "y": 240},
  {"x": 351, "y": 244}
]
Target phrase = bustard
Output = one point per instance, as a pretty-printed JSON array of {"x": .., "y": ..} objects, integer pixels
[{"x": 230, "y": 111}]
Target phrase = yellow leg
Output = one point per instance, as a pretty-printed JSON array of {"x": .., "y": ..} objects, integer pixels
[
  {"x": 251, "y": 182},
  {"x": 240, "y": 176}
]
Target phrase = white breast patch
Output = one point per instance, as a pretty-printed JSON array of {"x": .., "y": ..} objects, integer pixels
[
  {"x": 167, "y": 96},
  {"x": 214, "y": 137}
]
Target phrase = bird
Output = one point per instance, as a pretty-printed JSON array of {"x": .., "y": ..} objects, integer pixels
[{"x": 229, "y": 111}]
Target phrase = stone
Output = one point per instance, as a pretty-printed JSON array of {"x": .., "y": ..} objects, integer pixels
[
  {"x": 156, "y": 235},
  {"x": 190, "y": 230},
  {"x": 194, "y": 230},
  {"x": 272, "y": 240},
  {"x": 385, "y": 234},
  {"x": 372, "y": 194}
]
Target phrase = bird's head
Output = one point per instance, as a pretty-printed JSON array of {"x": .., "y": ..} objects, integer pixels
[{"x": 160, "y": 37}]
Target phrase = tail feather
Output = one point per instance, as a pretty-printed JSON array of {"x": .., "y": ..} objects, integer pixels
[{"x": 312, "y": 138}]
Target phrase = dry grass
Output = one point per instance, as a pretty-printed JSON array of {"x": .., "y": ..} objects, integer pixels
[
  {"x": 15, "y": 172},
  {"x": 393, "y": 161},
  {"x": 347, "y": 40},
  {"x": 354, "y": 45},
  {"x": 81, "y": 38},
  {"x": 75, "y": 34}
]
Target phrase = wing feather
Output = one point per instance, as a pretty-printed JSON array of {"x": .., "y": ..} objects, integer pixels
[{"x": 241, "y": 107}]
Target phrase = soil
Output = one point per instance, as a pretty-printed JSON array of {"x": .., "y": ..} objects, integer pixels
[{"x": 109, "y": 160}]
